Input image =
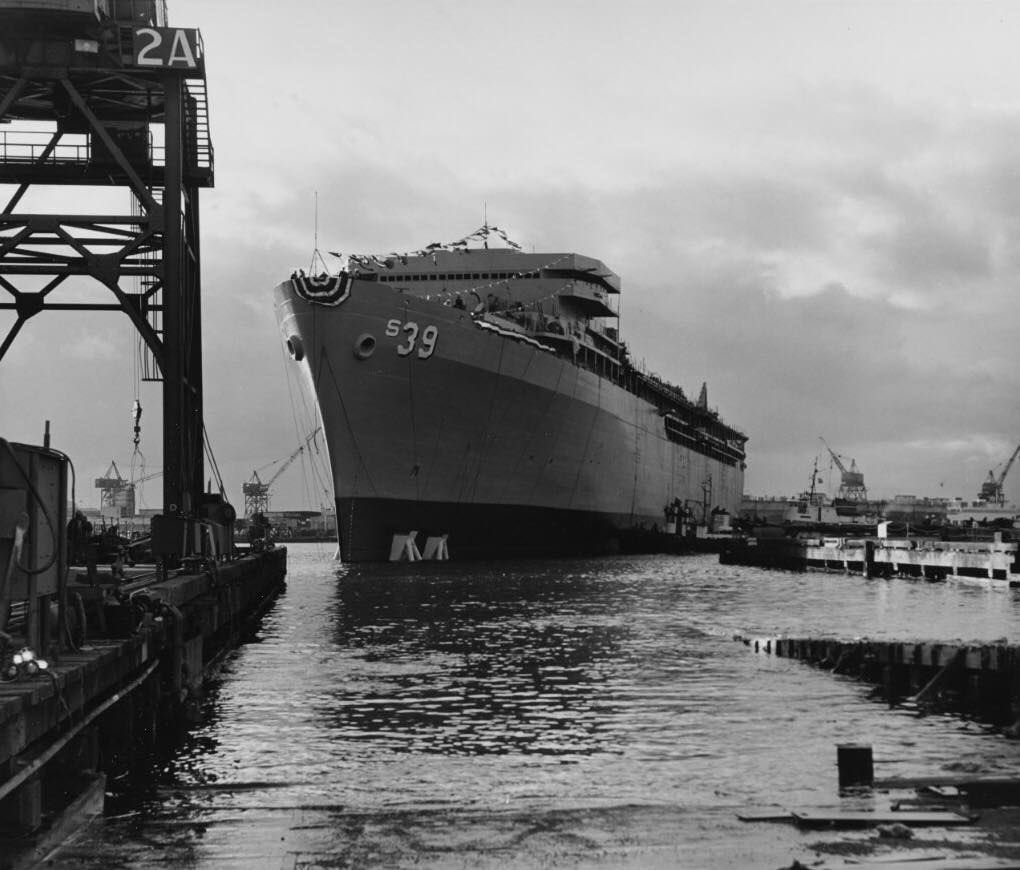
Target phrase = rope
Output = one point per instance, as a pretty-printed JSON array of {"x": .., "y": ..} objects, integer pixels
[
  {"x": 212, "y": 461},
  {"x": 42, "y": 506},
  {"x": 554, "y": 395},
  {"x": 350, "y": 519},
  {"x": 416, "y": 465},
  {"x": 488, "y": 422},
  {"x": 587, "y": 444},
  {"x": 525, "y": 443},
  {"x": 323, "y": 358},
  {"x": 67, "y": 562}
]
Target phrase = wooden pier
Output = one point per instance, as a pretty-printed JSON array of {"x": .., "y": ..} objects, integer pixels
[
  {"x": 995, "y": 561},
  {"x": 134, "y": 672},
  {"x": 979, "y": 680}
]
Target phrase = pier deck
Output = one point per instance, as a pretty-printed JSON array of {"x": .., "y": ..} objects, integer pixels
[
  {"x": 139, "y": 666},
  {"x": 931, "y": 558}
]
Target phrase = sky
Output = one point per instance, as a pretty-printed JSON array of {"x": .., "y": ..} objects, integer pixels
[{"x": 814, "y": 207}]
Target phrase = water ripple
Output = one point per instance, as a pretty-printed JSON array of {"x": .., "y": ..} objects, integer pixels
[{"x": 452, "y": 708}]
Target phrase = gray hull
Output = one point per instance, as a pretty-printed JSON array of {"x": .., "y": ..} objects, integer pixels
[{"x": 438, "y": 426}]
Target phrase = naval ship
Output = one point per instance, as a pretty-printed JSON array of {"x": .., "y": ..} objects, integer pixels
[{"x": 479, "y": 396}]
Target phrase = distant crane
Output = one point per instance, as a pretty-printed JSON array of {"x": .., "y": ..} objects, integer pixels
[
  {"x": 851, "y": 485},
  {"x": 992, "y": 490},
  {"x": 117, "y": 493},
  {"x": 256, "y": 492}
]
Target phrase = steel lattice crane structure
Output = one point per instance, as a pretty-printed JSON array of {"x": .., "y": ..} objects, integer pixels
[
  {"x": 256, "y": 492},
  {"x": 851, "y": 486},
  {"x": 108, "y": 95},
  {"x": 992, "y": 489},
  {"x": 117, "y": 493}
]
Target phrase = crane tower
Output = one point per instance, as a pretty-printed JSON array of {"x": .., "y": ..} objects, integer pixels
[
  {"x": 851, "y": 484},
  {"x": 256, "y": 492},
  {"x": 117, "y": 493},
  {"x": 105, "y": 93},
  {"x": 992, "y": 490}
]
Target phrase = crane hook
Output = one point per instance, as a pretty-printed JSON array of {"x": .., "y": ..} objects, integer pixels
[{"x": 137, "y": 411}]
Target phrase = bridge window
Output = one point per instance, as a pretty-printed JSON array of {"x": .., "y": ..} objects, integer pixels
[{"x": 147, "y": 13}]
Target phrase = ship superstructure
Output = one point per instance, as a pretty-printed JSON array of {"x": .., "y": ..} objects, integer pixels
[{"x": 484, "y": 394}]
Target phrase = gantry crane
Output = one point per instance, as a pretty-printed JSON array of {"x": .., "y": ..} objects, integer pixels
[
  {"x": 992, "y": 490},
  {"x": 256, "y": 492},
  {"x": 108, "y": 95},
  {"x": 117, "y": 493},
  {"x": 851, "y": 486}
]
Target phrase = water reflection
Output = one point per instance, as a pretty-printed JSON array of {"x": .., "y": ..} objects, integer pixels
[
  {"x": 540, "y": 714},
  {"x": 456, "y": 670}
]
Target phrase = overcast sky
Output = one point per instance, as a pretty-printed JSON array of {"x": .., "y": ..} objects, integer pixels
[{"x": 814, "y": 207}]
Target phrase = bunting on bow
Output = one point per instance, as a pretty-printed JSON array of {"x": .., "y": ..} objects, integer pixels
[{"x": 323, "y": 289}]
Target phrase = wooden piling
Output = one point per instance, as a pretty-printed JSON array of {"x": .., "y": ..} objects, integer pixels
[
  {"x": 855, "y": 764},
  {"x": 980, "y": 680}
]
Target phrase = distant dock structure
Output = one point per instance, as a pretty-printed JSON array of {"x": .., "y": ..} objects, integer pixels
[{"x": 994, "y": 560}]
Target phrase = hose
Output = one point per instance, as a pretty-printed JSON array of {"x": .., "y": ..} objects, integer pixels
[{"x": 42, "y": 505}]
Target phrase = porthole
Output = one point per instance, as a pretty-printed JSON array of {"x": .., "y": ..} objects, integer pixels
[
  {"x": 364, "y": 345},
  {"x": 295, "y": 348}
]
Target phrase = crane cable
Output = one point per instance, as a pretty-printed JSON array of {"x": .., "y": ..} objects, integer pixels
[
  {"x": 212, "y": 462},
  {"x": 136, "y": 412},
  {"x": 301, "y": 407}
]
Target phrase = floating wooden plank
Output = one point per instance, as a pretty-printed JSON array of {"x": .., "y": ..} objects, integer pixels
[
  {"x": 984, "y": 791},
  {"x": 959, "y": 780},
  {"x": 924, "y": 863},
  {"x": 854, "y": 819},
  {"x": 774, "y": 815},
  {"x": 942, "y": 791}
]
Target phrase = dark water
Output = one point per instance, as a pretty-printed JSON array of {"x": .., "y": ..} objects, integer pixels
[{"x": 569, "y": 713}]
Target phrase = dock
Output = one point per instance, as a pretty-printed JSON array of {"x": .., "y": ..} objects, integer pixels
[
  {"x": 979, "y": 680},
  {"x": 995, "y": 561},
  {"x": 131, "y": 674},
  {"x": 98, "y": 657}
]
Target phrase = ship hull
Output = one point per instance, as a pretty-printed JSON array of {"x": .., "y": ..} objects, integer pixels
[
  {"x": 480, "y": 531},
  {"x": 439, "y": 427}
]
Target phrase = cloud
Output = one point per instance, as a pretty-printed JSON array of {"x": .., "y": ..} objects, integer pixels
[
  {"x": 831, "y": 243},
  {"x": 829, "y": 297},
  {"x": 91, "y": 348}
]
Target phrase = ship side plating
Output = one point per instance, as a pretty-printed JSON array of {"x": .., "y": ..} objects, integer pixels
[{"x": 479, "y": 394}]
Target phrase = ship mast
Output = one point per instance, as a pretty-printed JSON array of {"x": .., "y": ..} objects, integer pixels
[{"x": 811, "y": 490}]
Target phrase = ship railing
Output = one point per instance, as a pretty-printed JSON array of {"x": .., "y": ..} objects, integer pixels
[{"x": 699, "y": 441}]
